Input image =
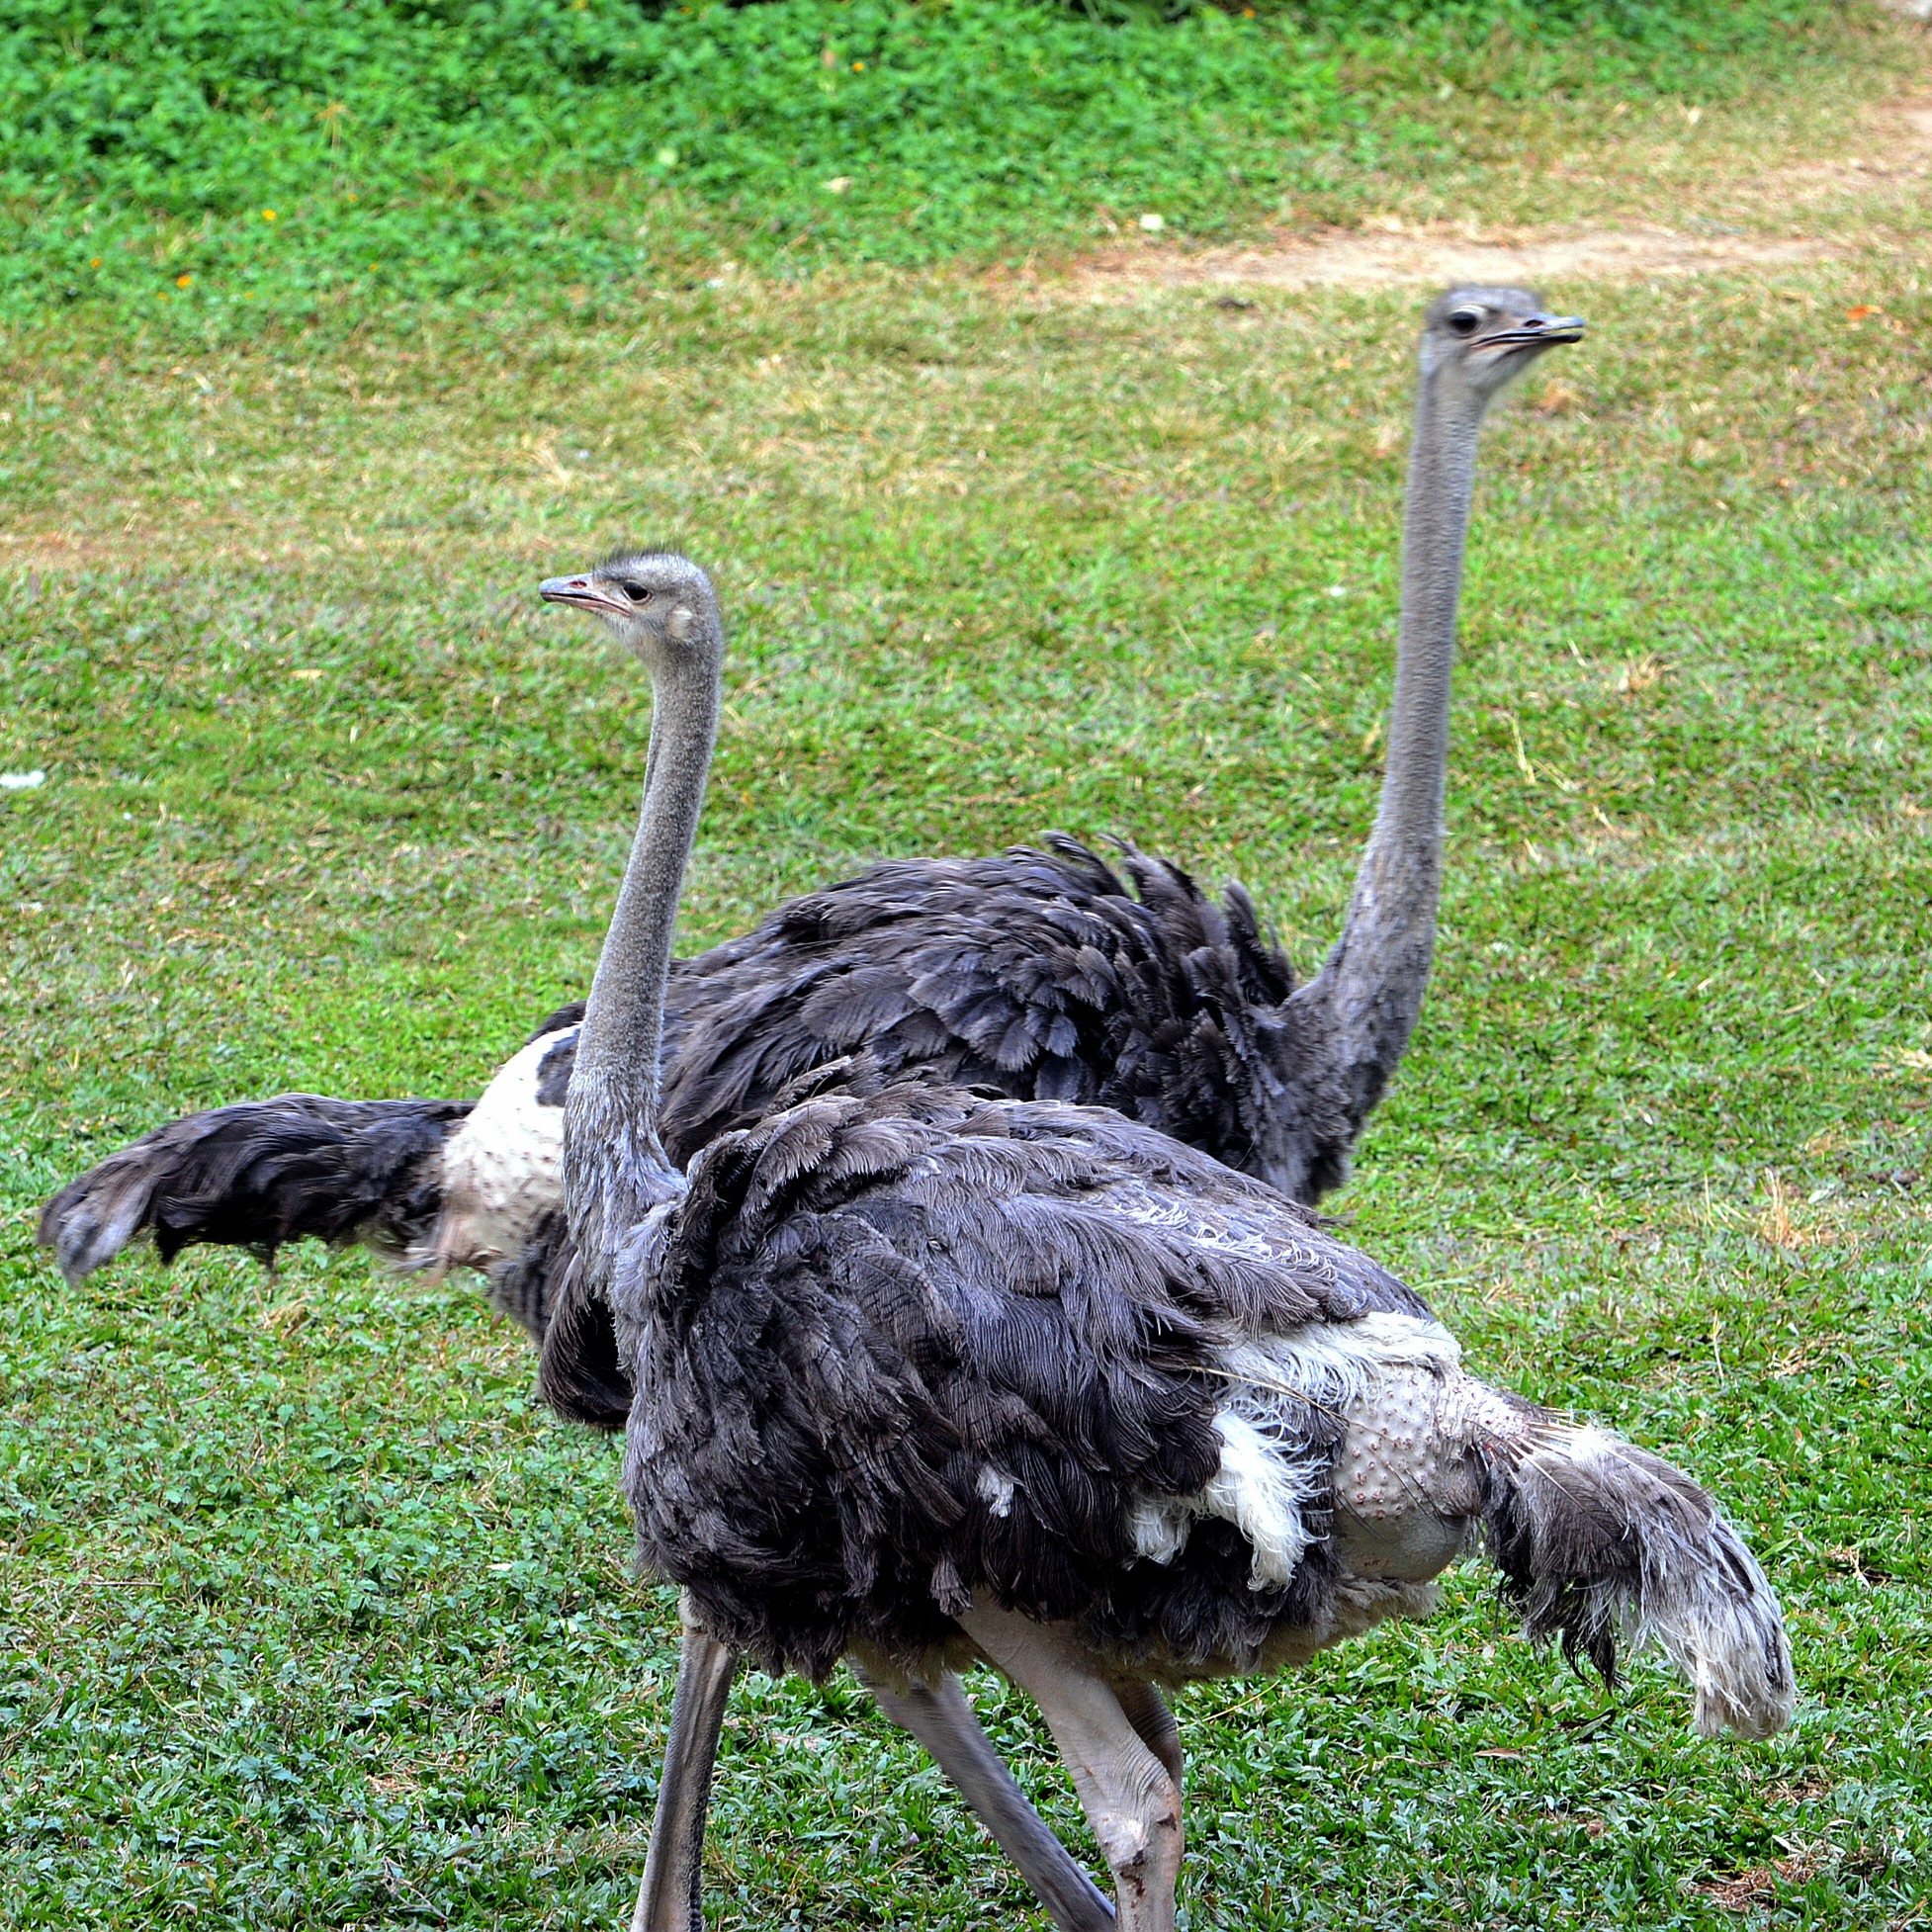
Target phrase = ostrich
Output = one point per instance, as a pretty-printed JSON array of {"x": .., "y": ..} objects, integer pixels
[
  {"x": 1038, "y": 973},
  {"x": 922, "y": 1375}
]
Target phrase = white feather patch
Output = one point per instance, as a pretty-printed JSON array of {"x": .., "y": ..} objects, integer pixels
[
  {"x": 996, "y": 1489},
  {"x": 1267, "y": 1479},
  {"x": 503, "y": 1168}
]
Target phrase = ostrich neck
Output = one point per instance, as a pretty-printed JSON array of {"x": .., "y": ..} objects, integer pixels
[
  {"x": 1442, "y": 486},
  {"x": 614, "y": 1165},
  {"x": 1370, "y": 992}
]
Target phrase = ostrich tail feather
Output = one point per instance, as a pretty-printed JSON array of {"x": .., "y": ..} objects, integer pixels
[{"x": 1599, "y": 1541}]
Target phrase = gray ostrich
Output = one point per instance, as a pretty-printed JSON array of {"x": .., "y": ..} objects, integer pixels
[
  {"x": 1042, "y": 974},
  {"x": 922, "y": 1376}
]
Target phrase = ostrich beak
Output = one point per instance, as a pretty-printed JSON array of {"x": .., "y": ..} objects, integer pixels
[
  {"x": 1538, "y": 332},
  {"x": 582, "y": 593}
]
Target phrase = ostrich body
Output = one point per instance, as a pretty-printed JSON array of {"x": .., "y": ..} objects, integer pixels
[
  {"x": 921, "y": 1375},
  {"x": 1044, "y": 974}
]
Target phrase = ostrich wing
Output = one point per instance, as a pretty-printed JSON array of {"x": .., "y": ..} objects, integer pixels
[
  {"x": 258, "y": 1175},
  {"x": 263, "y": 1172}
]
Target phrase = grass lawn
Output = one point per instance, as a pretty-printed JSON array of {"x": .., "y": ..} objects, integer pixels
[
  {"x": 310, "y": 1617},
  {"x": 214, "y": 163}
]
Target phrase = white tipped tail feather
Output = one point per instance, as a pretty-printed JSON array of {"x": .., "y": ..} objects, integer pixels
[{"x": 1596, "y": 1539}]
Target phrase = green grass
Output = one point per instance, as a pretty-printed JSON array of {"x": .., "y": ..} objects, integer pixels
[
  {"x": 217, "y": 160},
  {"x": 310, "y": 1618}
]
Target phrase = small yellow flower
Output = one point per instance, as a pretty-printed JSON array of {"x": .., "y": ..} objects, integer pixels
[
  {"x": 95, "y": 263},
  {"x": 859, "y": 66},
  {"x": 268, "y": 215},
  {"x": 182, "y": 280}
]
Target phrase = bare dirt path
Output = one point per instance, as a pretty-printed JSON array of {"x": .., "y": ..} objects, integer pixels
[
  {"x": 1892, "y": 160},
  {"x": 1388, "y": 254}
]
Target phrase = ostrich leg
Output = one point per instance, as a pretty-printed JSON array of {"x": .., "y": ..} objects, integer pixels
[
  {"x": 1147, "y": 1710},
  {"x": 669, "y": 1898},
  {"x": 1130, "y": 1799},
  {"x": 943, "y": 1722}
]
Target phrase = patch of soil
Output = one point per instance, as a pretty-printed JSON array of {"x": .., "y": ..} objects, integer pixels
[
  {"x": 1895, "y": 152},
  {"x": 1389, "y": 254}
]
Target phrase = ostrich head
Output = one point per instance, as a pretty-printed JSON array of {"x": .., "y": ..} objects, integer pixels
[
  {"x": 660, "y": 605},
  {"x": 1484, "y": 338}
]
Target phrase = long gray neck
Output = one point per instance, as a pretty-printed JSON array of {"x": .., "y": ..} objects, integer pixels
[
  {"x": 1370, "y": 992},
  {"x": 614, "y": 1165}
]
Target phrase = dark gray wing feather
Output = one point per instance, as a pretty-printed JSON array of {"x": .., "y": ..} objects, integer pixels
[
  {"x": 258, "y": 1175},
  {"x": 1044, "y": 974}
]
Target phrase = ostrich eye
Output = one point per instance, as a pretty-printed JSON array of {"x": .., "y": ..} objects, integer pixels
[
  {"x": 636, "y": 591},
  {"x": 1465, "y": 321}
]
